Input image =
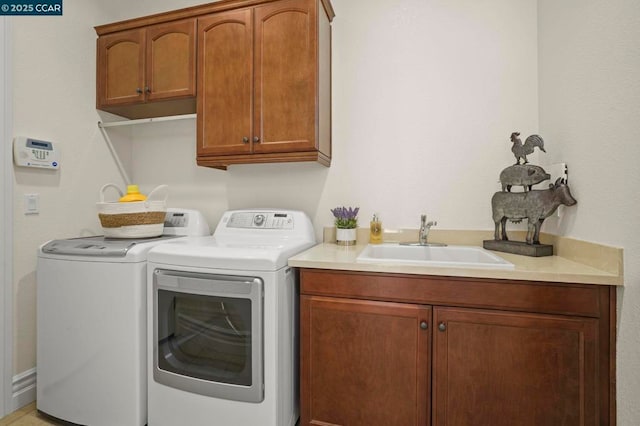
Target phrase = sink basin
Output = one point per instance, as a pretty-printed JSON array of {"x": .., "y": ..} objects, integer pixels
[{"x": 448, "y": 256}]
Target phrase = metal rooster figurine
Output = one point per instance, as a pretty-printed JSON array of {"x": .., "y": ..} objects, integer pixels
[{"x": 521, "y": 151}]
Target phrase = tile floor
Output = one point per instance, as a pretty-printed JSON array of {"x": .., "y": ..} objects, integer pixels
[{"x": 28, "y": 416}]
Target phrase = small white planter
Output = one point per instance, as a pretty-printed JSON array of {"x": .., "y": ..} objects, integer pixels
[{"x": 346, "y": 237}]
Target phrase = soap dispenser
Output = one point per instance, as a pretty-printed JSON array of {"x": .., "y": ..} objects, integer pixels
[{"x": 375, "y": 230}]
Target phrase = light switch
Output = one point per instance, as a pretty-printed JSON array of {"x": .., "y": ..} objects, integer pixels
[{"x": 31, "y": 203}]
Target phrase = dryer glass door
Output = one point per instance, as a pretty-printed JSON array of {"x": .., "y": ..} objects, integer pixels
[{"x": 208, "y": 334}]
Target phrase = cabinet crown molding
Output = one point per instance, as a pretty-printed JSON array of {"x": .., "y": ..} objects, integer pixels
[{"x": 191, "y": 12}]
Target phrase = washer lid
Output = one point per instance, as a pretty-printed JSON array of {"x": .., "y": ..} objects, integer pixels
[
  {"x": 97, "y": 246},
  {"x": 266, "y": 254}
]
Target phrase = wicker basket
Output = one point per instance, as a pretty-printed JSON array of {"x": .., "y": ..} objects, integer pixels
[{"x": 136, "y": 219}]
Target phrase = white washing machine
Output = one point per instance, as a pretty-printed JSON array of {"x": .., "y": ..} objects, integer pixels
[
  {"x": 91, "y": 326},
  {"x": 222, "y": 317}
]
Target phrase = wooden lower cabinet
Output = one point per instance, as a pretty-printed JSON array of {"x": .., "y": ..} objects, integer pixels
[
  {"x": 366, "y": 363},
  {"x": 389, "y": 349},
  {"x": 510, "y": 368}
]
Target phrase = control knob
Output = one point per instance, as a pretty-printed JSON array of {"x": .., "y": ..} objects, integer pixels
[{"x": 259, "y": 219}]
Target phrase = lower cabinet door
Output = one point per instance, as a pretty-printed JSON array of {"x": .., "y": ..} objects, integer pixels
[
  {"x": 505, "y": 368},
  {"x": 364, "y": 363}
]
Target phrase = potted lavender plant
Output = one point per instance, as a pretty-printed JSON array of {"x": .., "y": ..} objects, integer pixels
[{"x": 346, "y": 221}]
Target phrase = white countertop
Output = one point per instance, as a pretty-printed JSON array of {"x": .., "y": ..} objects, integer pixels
[{"x": 548, "y": 269}]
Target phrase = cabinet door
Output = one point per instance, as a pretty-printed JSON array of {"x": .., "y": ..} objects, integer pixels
[
  {"x": 171, "y": 60},
  {"x": 225, "y": 52},
  {"x": 504, "y": 368},
  {"x": 120, "y": 74},
  {"x": 364, "y": 363},
  {"x": 285, "y": 76}
]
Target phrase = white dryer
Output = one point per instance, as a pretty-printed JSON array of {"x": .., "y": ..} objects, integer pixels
[
  {"x": 223, "y": 326},
  {"x": 91, "y": 325}
]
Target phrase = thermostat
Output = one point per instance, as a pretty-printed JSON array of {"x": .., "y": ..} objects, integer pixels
[{"x": 28, "y": 152}]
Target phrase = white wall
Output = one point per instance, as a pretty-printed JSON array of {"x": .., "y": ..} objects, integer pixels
[
  {"x": 425, "y": 96},
  {"x": 54, "y": 99},
  {"x": 421, "y": 119},
  {"x": 589, "y": 102},
  {"x": 421, "y": 116},
  {"x": 6, "y": 187}
]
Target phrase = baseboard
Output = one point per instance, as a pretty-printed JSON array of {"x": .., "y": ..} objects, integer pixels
[{"x": 24, "y": 389}]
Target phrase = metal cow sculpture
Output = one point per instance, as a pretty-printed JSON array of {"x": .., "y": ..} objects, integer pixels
[{"x": 535, "y": 206}]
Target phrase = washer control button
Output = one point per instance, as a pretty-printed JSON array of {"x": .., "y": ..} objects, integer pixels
[{"x": 258, "y": 220}]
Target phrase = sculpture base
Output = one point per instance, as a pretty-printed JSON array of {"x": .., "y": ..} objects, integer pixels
[{"x": 519, "y": 247}]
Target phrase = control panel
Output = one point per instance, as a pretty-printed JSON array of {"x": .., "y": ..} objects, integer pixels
[
  {"x": 28, "y": 152},
  {"x": 176, "y": 220},
  {"x": 185, "y": 222},
  {"x": 261, "y": 220}
]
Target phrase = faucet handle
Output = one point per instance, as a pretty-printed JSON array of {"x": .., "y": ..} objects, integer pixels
[{"x": 423, "y": 219}]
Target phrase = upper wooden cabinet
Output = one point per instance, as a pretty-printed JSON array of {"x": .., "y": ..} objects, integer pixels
[
  {"x": 149, "y": 71},
  {"x": 120, "y": 74},
  {"x": 225, "y": 63},
  {"x": 262, "y": 70},
  {"x": 171, "y": 60},
  {"x": 264, "y": 84}
]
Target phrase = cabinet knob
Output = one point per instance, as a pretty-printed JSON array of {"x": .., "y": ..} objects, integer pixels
[
  {"x": 442, "y": 327},
  {"x": 138, "y": 90},
  {"x": 424, "y": 325},
  {"x": 147, "y": 89},
  {"x": 256, "y": 139},
  {"x": 245, "y": 139}
]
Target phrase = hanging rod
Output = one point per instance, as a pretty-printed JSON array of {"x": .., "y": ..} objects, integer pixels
[{"x": 145, "y": 120}]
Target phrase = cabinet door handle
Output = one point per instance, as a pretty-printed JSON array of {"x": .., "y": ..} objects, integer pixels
[
  {"x": 245, "y": 139},
  {"x": 147, "y": 89},
  {"x": 138, "y": 90},
  {"x": 256, "y": 139},
  {"x": 424, "y": 325},
  {"x": 442, "y": 327}
]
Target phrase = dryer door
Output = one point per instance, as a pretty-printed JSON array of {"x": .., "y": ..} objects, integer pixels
[{"x": 208, "y": 334}]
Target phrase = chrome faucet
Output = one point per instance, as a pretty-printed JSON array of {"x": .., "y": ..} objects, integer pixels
[
  {"x": 425, "y": 227},
  {"x": 423, "y": 234}
]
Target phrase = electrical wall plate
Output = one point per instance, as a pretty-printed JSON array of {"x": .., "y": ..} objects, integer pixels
[
  {"x": 31, "y": 204},
  {"x": 29, "y": 152}
]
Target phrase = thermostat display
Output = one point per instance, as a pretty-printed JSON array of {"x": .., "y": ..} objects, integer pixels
[{"x": 29, "y": 152}]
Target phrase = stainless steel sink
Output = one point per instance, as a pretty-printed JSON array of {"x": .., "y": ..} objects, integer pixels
[{"x": 447, "y": 256}]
